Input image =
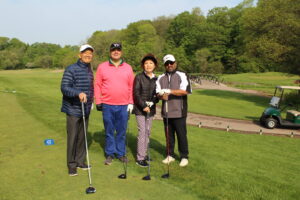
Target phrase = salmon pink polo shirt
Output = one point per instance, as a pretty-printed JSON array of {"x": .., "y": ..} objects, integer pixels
[{"x": 114, "y": 85}]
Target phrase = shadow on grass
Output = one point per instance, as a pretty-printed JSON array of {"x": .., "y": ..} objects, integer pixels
[
  {"x": 89, "y": 139},
  {"x": 99, "y": 137}
]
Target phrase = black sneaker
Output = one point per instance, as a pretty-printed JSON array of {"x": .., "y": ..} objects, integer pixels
[
  {"x": 123, "y": 159},
  {"x": 142, "y": 163},
  {"x": 84, "y": 167},
  {"x": 108, "y": 160},
  {"x": 73, "y": 172}
]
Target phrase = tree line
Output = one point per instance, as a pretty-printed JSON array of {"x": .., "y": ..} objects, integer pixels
[{"x": 245, "y": 38}]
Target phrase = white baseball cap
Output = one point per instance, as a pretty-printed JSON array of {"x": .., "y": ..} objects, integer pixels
[
  {"x": 85, "y": 47},
  {"x": 169, "y": 57}
]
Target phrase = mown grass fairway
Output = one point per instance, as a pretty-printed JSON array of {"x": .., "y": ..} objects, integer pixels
[
  {"x": 227, "y": 104},
  {"x": 265, "y": 82},
  {"x": 222, "y": 165}
]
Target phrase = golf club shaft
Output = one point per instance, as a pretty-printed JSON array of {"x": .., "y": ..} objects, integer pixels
[
  {"x": 86, "y": 145},
  {"x": 148, "y": 147},
  {"x": 126, "y": 143},
  {"x": 167, "y": 133}
]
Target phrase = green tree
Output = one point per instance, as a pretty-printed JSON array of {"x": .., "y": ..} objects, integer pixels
[
  {"x": 205, "y": 63},
  {"x": 161, "y": 24},
  {"x": 36, "y": 51},
  {"x": 181, "y": 28},
  {"x": 139, "y": 39},
  {"x": 271, "y": 34},
  {"x": 65, "y": 56},
  {"x": 4, "y": 43},
  {"x": 201, "y": 61},
  {"x": 11, "y": 55}
]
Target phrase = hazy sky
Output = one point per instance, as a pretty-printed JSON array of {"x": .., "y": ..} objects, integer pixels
[{"x": 73, "y": 21}]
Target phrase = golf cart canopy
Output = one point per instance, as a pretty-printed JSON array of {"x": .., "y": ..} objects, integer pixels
[
  {"x": 276, "y": 99},
  {"x": 288, "y": 87}
]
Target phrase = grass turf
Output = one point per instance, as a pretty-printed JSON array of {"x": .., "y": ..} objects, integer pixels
[
  {"x": 227, "y": 104},
  {"x": 222, "y": 165},
  {"x": 265, "y": 82}
]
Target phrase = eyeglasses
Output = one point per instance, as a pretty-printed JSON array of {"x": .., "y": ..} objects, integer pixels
[{"x": 169, "y": 63}]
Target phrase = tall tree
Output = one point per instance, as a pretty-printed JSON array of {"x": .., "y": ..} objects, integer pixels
[
  {"x": 11, "y": 55},
  {"x": 32, "y": 57},
  {"x": 271, "y": 32}
]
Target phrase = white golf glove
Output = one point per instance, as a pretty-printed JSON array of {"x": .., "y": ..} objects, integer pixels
[
  {"x": 149, "y": 103},
  {"x": 129, "y": 108},
  {"x": 167, "y": 91},
  {"x": 160, "y": 92}
]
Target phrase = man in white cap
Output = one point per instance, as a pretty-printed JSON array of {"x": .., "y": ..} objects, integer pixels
[
  {"x": 77, "y": 86},
  {"x": 173, "y": 87}
]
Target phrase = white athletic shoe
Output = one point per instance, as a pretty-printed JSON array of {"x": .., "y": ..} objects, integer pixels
[
  {"x": 184, "y": 162},
  {"x": 168, "y": 160}
]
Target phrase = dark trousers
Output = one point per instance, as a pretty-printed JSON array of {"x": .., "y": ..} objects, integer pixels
[
  {"x": 75, "y": 141},
  {"x": 178, "y": 126}
]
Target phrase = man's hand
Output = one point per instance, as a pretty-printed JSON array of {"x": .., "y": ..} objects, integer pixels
[
  {"x": 165, "y": 97},
  {"x": 99, "y": 107},
  {"x": 129, "y": 108},
  {"x": 82, "y": 97}
]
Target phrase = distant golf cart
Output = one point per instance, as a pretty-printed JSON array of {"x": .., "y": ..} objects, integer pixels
[{"x": 271, "y": 117}]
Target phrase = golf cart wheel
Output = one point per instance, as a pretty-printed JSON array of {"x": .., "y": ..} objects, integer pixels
[{"x": 271, "y": 123}]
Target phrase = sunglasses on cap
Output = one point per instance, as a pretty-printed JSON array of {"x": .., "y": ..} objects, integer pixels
[{"x": 169, "y": 63}]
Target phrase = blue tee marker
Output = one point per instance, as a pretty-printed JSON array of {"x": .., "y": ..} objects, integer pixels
[{"x": 48, "y": 142}]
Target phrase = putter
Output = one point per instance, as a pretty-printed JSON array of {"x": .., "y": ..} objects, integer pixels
[
  {"x": 124, "y": 176},
  {"x": 90, "y": 189},
  {"x": 167, "y": 175},
  {"x": 148, "y": 177}
]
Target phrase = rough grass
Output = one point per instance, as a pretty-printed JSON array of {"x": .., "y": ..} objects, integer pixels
[{"x": 222, "y": 165}]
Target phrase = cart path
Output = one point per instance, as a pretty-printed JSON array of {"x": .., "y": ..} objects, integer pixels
[{"x": 232, "y": 125}]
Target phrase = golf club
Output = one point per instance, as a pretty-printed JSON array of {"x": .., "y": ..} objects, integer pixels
[
  {"x": 124, "y": 176},
  {"x": 148, "y": 177},
  {"x": 90, "y": 189},
  {"x": 167, "y": 175}
]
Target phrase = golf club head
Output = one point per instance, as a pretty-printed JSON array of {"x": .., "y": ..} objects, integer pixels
[
  {"x": 167, "y": 175},
  {"x": 146, "y": 178},
  {"x": 122, "y": 176},
  {"x": 90, "y": 190}
]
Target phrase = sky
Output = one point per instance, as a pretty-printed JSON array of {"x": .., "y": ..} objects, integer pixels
[{"x": 72, "y": 22}]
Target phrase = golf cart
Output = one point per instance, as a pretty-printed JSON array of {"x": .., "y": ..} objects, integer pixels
[{"x": 271, "y": 117}]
